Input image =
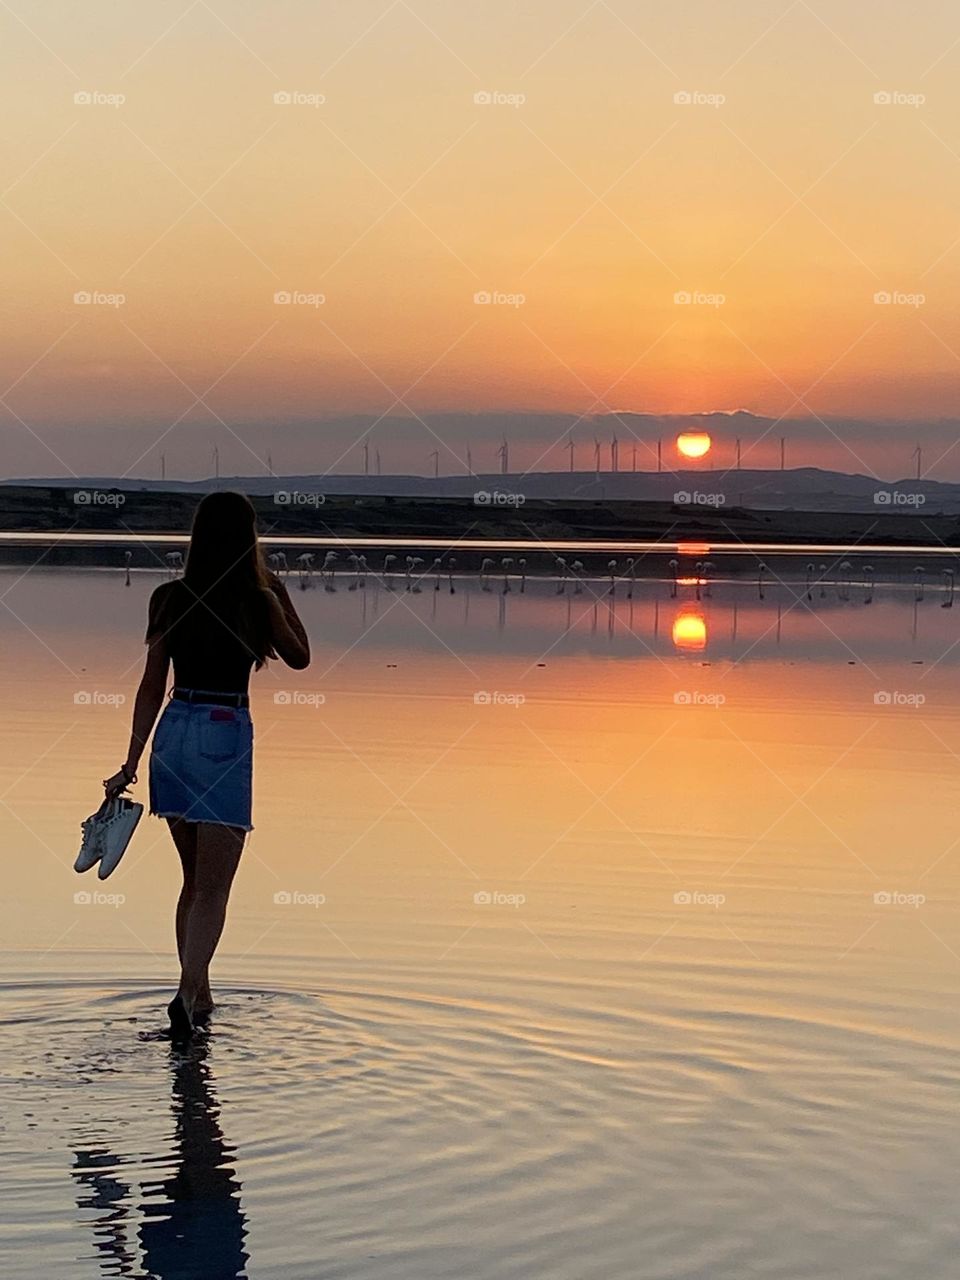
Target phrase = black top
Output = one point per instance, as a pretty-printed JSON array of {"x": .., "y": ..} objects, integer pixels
[{"x": 206, "y": 651}]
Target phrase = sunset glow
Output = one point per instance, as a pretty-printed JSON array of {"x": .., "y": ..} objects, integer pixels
[
  {"x": 694, "y": 444},
  {"x": 690, "y": 632}
]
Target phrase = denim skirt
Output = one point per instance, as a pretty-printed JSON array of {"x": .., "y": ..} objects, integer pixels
[{"x": 201, "y": 764}]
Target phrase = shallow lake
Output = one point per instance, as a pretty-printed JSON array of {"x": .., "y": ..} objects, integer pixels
[{"x": 580, "y": 936}]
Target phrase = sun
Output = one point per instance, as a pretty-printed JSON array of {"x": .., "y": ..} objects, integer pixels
[
  {"x": 689, "y": 632},
  {"x": 694, "y": 444}
]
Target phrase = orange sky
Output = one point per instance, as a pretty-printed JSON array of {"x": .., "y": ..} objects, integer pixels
[{"x": 588, "y": 199}]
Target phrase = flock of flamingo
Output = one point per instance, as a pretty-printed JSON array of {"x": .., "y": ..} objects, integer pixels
[{"x": 410, "y": 572}]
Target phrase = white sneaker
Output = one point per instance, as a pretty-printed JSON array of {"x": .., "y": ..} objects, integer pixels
[
  {"x": 91, "y": 847},
  {"x": 118, "y": 827}
]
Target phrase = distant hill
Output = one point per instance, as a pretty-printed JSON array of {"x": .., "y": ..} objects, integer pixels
[{"x": 797, "y": 489}]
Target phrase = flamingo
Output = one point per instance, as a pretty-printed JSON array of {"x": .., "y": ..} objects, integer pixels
[
  {"x": 328, "y": 571},
  {"x": 451, "y": 565},
  {"x": 305, "y": 568},
  {"x": 846, "y": 568},
  {"x": 364, "y": 569},
  {"x": 811, "y": 569},
  {"x": 577, "y": 571},
  {"x": 948, "y": 584},
  {"x": 562, "y": 580},
  {"x": 708, "y": 567},
  {"x": 486, "y": 564},
  {"x": 277, "y": 560},
  {"x": 631, "y": 569},
  {"x": 918, "y": 582},
  {"x": 612, "y": 570},
  {"x": 438, "y": 570},
  {"x": 823, "y": 582},
  {"x": 412, "y": 562},
  {"x": 523, "y": 574},
  {"x": 174, "y": 561},
  {"x": 761, "y": 570},
  {"x": 673, "y": 566},
  {"x": 355, "y": 565},
  {"x": 127, "y": 557},
  {"x": 506, "y": 564},
  {"x": 867, "y": 583},
  {"x": 387, "y": 580}
]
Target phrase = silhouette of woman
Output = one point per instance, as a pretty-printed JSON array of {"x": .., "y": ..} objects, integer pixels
[{"x": 225, "y": 615}]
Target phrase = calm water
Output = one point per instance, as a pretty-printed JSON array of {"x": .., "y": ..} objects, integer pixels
[{"x": 578, "y": 937}]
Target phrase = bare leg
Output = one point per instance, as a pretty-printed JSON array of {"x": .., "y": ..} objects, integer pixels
[
  {"x": 185, "y": 838},
  {"x": 217, "y": 858}
]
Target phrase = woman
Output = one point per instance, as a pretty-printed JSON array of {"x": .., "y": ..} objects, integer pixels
[{"x": 224, "y": 616}]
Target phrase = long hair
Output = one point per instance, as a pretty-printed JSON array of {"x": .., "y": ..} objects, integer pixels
[{"x": 225, "y": 574}]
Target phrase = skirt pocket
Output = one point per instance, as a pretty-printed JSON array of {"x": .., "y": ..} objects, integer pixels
[{"x": 219, "y": 735}]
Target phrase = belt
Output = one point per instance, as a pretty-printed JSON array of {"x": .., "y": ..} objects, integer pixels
[{"x": 217, "y": 699}]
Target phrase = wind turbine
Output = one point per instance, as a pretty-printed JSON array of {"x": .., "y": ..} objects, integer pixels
[
  {"x": 503, "y": 453},
  {"x": 571, "y": 445},
  {"x": 614, "y": 454},
  {"x": 366, "y": 457},
  {"x": 918, "y": 454},
  {"x": 596, "y": 456},
  {"x": 469, "y": 460},
  {"x": 436, "y": 463}
]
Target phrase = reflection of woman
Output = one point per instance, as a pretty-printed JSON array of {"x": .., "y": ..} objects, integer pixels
[
  {"x": 193, "y": 1226},
  {"x": 224, "y": 616}
]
